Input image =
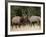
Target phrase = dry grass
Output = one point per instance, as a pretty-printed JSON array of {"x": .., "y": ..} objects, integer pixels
[{"x": 26, "y": 28}]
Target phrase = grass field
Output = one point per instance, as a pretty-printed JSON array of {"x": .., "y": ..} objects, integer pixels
[{"x": 26, "y": 28}]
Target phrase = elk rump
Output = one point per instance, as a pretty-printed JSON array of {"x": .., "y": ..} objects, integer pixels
[
  {"x": 34, "y": 19},
  {"x": 16, "y": 21}
]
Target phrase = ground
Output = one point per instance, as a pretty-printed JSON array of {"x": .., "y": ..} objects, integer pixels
[{"x": 26, "y": 28}]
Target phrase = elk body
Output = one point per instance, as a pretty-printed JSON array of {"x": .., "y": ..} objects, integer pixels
[
  {"x": 34, "y": 19},
  {"x": 16, "y": 21}
]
